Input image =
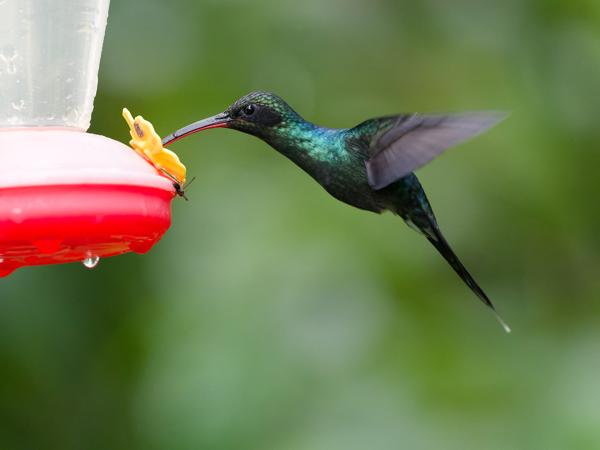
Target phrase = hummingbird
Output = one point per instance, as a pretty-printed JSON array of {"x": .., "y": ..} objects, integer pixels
[{"x": 369, "y": 166}]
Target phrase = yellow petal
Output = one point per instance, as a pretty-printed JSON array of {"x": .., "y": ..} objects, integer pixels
[{"x": 147, "y": 143}]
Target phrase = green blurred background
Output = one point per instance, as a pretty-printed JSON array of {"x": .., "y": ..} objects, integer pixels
[{"x": 273, "y": 317}]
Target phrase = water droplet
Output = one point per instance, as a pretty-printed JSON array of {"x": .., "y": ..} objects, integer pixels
[
  {"x": 91, "y": 261},
  {"x": 18, "y": 106},
  {"x": 13, "y": 120},
  {"x": 1, "y": 259},
  {"x": 71, "y": 115},
  {"x": 9, "y": 57},
  {"x": 87, "y": 27}
]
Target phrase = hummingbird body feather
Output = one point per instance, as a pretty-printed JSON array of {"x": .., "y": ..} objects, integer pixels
[{"x": 369, "y": 166}]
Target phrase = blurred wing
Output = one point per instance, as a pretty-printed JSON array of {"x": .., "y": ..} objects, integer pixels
[{"x": 415, "y": 139}]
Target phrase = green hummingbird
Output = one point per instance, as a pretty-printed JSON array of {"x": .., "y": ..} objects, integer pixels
[{"x": 369, "y": 166}]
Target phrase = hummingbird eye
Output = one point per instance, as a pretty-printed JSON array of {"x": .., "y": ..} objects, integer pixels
[{"x": 248, "y": 110}]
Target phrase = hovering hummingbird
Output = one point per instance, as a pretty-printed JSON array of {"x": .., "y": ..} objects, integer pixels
[{"x": 369, "y": 166}]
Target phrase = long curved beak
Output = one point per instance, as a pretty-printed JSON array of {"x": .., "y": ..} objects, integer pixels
[{"x": 218, "y": 121}]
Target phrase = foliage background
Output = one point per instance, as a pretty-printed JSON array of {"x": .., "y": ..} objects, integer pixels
[{"x": 273, "y": 317}]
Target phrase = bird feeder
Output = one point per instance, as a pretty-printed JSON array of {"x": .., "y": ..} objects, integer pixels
[{"x": 66, "y": 195}]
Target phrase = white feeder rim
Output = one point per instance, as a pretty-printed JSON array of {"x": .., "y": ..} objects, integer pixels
[{"x": 63, "y": 156}]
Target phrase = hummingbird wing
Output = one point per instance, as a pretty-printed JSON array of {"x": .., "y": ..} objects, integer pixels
[{"x": 413, "y": 140}]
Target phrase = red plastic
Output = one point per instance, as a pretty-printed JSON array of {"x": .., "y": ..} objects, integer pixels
[
  {"x": 67, "y": 196},
  {"x": 58, "y": 224}
]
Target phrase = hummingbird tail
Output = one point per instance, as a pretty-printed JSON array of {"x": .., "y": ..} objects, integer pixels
[
  {"x": 439, "y": 242},
  {"x": 413, "y": 206}
]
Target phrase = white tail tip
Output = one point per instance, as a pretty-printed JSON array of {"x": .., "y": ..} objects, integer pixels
[{"x": 502, "y": 323}]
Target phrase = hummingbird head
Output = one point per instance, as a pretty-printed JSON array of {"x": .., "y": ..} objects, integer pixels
[{"x": 261, "y": 114}]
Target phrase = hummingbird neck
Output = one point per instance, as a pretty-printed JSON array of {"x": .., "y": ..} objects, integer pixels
[
  {"x": 291, "y": 136},
  {"x": 309, "y": 146}
]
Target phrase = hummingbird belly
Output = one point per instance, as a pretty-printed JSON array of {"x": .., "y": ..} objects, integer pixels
[{"x": 351, "y": 187}]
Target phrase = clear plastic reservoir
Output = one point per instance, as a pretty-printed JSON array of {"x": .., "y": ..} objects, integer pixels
[{"x": 49, "y": 58}]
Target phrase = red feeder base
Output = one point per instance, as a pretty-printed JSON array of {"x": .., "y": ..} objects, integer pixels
[
  {"x": 59, "y": 224},
  {"x": 111, "y": 201}
]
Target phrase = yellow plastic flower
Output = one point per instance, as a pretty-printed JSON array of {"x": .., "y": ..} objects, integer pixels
[{"x": 147, "y": 143}]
